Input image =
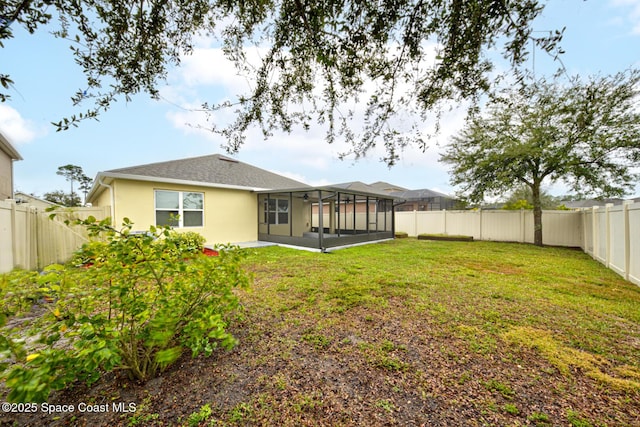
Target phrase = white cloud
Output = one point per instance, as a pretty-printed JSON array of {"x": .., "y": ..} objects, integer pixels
[
  {"x": 631, "y": 16},
  {"x": 15, "y": 127},
  {"x": 301, "y": 155}
]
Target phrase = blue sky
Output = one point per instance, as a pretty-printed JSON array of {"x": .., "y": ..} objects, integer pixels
[{"x": 602, "y": 37}]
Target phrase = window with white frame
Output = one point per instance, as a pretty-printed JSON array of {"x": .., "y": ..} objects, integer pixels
[
  {"x": 276, "y": 211},
  {"x": 179, "y": 208}
]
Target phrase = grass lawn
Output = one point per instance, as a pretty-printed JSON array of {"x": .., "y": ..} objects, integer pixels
[{"x": 410, "y": 332}]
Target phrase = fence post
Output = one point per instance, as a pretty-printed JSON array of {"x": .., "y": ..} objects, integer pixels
[
  {"x": 28, "y": 239},
  {"x": 444, "y": 219},
  {"x": 14, "y": 235},
  {"x": 415, "y": 223},
  {"x": 522, "y": 234},
  {"x": 627, "y": 238},
  {"x": 594, "y": 231},
  {"x": 607, "y": 213}
]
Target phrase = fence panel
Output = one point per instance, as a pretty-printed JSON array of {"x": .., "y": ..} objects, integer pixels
[
  {"x": 587, "y": 228},
  {"x": 6, "y": 236},
  {"x": 559, "y": 228},
  {"x": 616, "y": 251},
  {"x": 503, "y": 226},
  {"x": 601, "y": 240},
  {"x": 464, "y": 223},
  {"x": 30, "y": 240}
]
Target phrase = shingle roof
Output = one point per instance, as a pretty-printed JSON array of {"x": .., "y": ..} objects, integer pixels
[
  {"x": 213, "y": 169},
  {"x": 359, "y": 186},
  {"x": 387, "y": 187},
  {"x": 418, "y": 194}
]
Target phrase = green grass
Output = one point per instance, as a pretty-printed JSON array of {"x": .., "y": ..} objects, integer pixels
[
  {"x": 485, "y": 293},
  {"x": 401, "y": 332}
]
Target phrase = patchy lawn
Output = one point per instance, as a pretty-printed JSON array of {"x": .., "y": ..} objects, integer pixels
[{"x": 403, "y": 333}]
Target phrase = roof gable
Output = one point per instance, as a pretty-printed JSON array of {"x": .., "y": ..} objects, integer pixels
[
  {"x": 9, "y": 149},
  {"x": 212, "y": 169},
  {"x": 387, "y": 187}
]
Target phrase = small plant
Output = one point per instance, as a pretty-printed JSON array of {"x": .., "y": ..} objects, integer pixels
[
  {"x": 383, "y": 356},
  {"x": 203, "y": 414},
  {"x": 318, "y": 341},
  {"x": 539, "y": 418},
  {"x": 576, "y": 421},
  {"x": 510, "y": 408},
  {"x": 401, "y": 235},
  {"x": 503, "y": 389},
  {"x": 385, "y": 404},
  {"x": 242, "y": 412}
]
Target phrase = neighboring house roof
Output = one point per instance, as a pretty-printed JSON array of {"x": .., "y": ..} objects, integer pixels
[
  {"x": 386, "y": 187},
  {"x": 589, "y": 203},
  {"x": 422, "y": 194},
  {"x": 33, "y": 200},
  {"x": 360, "y": 187},
  {"x": 6, "y": 146},
  {"x": 209, "y": 171}
]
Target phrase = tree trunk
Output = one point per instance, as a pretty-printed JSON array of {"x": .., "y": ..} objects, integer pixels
[{"x": 537, "y": 215}]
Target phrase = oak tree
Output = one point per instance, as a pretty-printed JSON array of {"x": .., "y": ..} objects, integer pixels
[
  {"x": 585, "y": 134},
  {"x": 319, "y": 59}
]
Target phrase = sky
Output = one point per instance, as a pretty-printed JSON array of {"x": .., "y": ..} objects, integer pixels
[{"x": 601, "y": 37}]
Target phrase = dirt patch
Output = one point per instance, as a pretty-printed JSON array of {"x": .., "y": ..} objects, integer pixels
[{"x": 371, "y": 368}]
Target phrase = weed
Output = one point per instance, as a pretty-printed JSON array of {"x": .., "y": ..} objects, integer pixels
[
  {"x": 575, "y": 420},
  {"x": 503, "y": 389},
  {"x": 464, "y": 377},
  {"x": 141, "y": 417},
  {"x": 242, "y": 412},
  {"x": 196, "y": 418},
  {"x": 510, "y": 408},
  {"x": 385, "y": 404},
  {"x": 318, "y": 341},
  {"x": 307, "y": 402},
  {"x": 539, "y": 418}
]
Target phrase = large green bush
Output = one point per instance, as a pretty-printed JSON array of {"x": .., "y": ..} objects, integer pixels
[{"x": 134, "y": 302}]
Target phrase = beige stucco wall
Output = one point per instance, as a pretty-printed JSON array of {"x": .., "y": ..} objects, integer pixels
[
  {"x": 229, "y": 215},
  {"x": 6, "y": 176}
]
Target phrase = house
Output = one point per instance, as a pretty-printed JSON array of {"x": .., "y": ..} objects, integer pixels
[
  {"x": 28, "y": 199},
  {"x": 228, "y": 201},
  {"x": 424, "y": 200},
  {"x": 8, "y": 154},
  {"x": 589, "y": 203}
]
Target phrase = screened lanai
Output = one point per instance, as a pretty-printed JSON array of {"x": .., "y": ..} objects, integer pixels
[{"x": 324, "y": 217}]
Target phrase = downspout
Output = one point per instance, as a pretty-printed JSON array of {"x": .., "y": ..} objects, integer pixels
[{"x": 113, "y": 200}]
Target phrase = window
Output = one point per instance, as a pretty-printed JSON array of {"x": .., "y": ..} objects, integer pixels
[
  {"x": 179, "y": 208},
  {"x": 276, "y": 211}
]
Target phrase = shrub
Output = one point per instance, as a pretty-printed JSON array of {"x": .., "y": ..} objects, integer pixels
[
  {"x": 143, "y": 301},
  {"x": 188, "y": 241}
]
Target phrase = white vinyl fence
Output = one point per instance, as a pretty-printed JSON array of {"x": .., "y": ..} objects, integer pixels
[
  {"x": 610, "y": 234},
  {"x": 29, "y": 239}
]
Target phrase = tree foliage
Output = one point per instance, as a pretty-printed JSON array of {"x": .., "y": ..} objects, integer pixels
[
  {"x": 522, "y": 198},
  {"x": 71, "y": 173},
  {"x": 59, "y": 197},
  {"x": 318, "y": 58},
  {"x": 585, "y": 134}
]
